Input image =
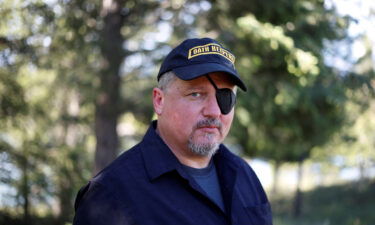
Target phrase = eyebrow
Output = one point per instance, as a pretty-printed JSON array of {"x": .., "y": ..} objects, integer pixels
[
  {"x": 194, "y": 87},
  {"x": 197, "y": 86}
]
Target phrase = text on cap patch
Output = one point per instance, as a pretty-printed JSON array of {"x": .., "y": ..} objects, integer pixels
[{"x": 211, "y": 48}]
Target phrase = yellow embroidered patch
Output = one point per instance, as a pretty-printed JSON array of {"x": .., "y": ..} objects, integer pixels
[{"x": 211, "y": 49}]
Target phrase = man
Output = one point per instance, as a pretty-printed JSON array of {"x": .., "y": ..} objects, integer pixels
[{"x": 180, "y": 173}]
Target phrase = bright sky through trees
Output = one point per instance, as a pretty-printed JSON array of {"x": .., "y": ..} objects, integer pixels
[{"x": 363, "y": 13}]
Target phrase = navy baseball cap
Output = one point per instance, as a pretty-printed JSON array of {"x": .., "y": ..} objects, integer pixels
[{"x": 197, "y": 57}]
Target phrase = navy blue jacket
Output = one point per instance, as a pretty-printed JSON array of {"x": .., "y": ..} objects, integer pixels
[{"x": 147, "y": 185}]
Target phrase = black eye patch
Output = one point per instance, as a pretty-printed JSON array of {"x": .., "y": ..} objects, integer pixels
[{"x": 225, "y": 97}]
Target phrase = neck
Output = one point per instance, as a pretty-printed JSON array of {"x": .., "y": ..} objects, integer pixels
[
  {"x": 192, "y": 160},
  {"x": 185, "y": 156}
]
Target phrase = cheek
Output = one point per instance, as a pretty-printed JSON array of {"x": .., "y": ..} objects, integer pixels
[
  {"x": 185, "y": 119},
  {"x": 184, "y": 110},
  {"x": 182, "y": 116},
  {"x": 227, "y": 122}
]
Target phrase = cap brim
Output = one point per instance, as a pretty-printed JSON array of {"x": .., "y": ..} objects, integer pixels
[{"x": 194, "y": 71}]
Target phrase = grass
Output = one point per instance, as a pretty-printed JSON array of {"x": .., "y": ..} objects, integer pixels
[{"x": 350, "y": 204}]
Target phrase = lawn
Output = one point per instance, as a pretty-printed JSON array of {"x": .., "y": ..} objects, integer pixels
[{"x": 349, "y": 204}]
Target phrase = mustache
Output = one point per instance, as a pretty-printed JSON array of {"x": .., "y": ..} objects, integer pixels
[{"x": 209, "y": 122}]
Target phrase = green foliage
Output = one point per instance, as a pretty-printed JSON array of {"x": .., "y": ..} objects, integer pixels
[
  {"x": 12, "y": 100},
  {"x": 46, "y": 144},
  {"x": 295, "y": 101},
  {"x": 52, "y": 68}
]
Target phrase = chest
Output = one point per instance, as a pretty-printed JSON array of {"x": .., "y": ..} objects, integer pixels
[{"x": 174, "y": 200}]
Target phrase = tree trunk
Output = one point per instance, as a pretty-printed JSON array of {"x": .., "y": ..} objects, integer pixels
[
  {"x": 107, "y": 101},
  {"x": 297, "y": 206},
  {"x": 25, "y": 191},
  {"x": 65, "y": 199},
  {"x": 362, "y": 169},
  {"x": 276, "y": 170},
  {"x": 65, "y": 179}
]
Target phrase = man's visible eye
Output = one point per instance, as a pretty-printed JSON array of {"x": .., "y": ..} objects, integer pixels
[{"x": 196, "y": 94}]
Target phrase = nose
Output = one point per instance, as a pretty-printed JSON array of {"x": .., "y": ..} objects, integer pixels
[{"x": 211, "y": 107}]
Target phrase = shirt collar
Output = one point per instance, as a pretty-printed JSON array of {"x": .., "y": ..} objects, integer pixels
[
  {"x": 157, "y": 156},
  {"x": 225, "y": 158},
  {"x": 159, "y": 159}
]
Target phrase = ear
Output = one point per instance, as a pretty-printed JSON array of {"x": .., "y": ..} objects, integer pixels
[{"x": 158, "y": 100}]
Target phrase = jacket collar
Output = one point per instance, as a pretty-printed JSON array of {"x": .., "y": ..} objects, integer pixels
[
  {"x": 157, "y": 156},
  {"x": 159, "y": 159}
]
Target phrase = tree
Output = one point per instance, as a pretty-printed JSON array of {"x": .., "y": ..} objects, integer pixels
[
  {"x": 72, "y": 58},
  {"x": 295, "y": 101},
  {"x": 107, "y": 100},
  {"x": 36, "y": 56}
]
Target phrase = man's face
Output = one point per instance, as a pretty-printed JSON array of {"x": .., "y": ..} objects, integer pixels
[{"x": 189, "y": 118}]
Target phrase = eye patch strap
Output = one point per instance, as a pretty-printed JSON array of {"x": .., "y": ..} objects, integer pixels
[
  {"x": 212, "y": 82},
  {"x": 224, "y": 96}
]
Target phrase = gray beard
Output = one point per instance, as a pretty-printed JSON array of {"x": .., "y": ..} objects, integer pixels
[{"x": 205, "y": 149}]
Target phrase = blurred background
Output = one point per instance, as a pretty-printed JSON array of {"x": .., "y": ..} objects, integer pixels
[{"x": 75, "y": 91}]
